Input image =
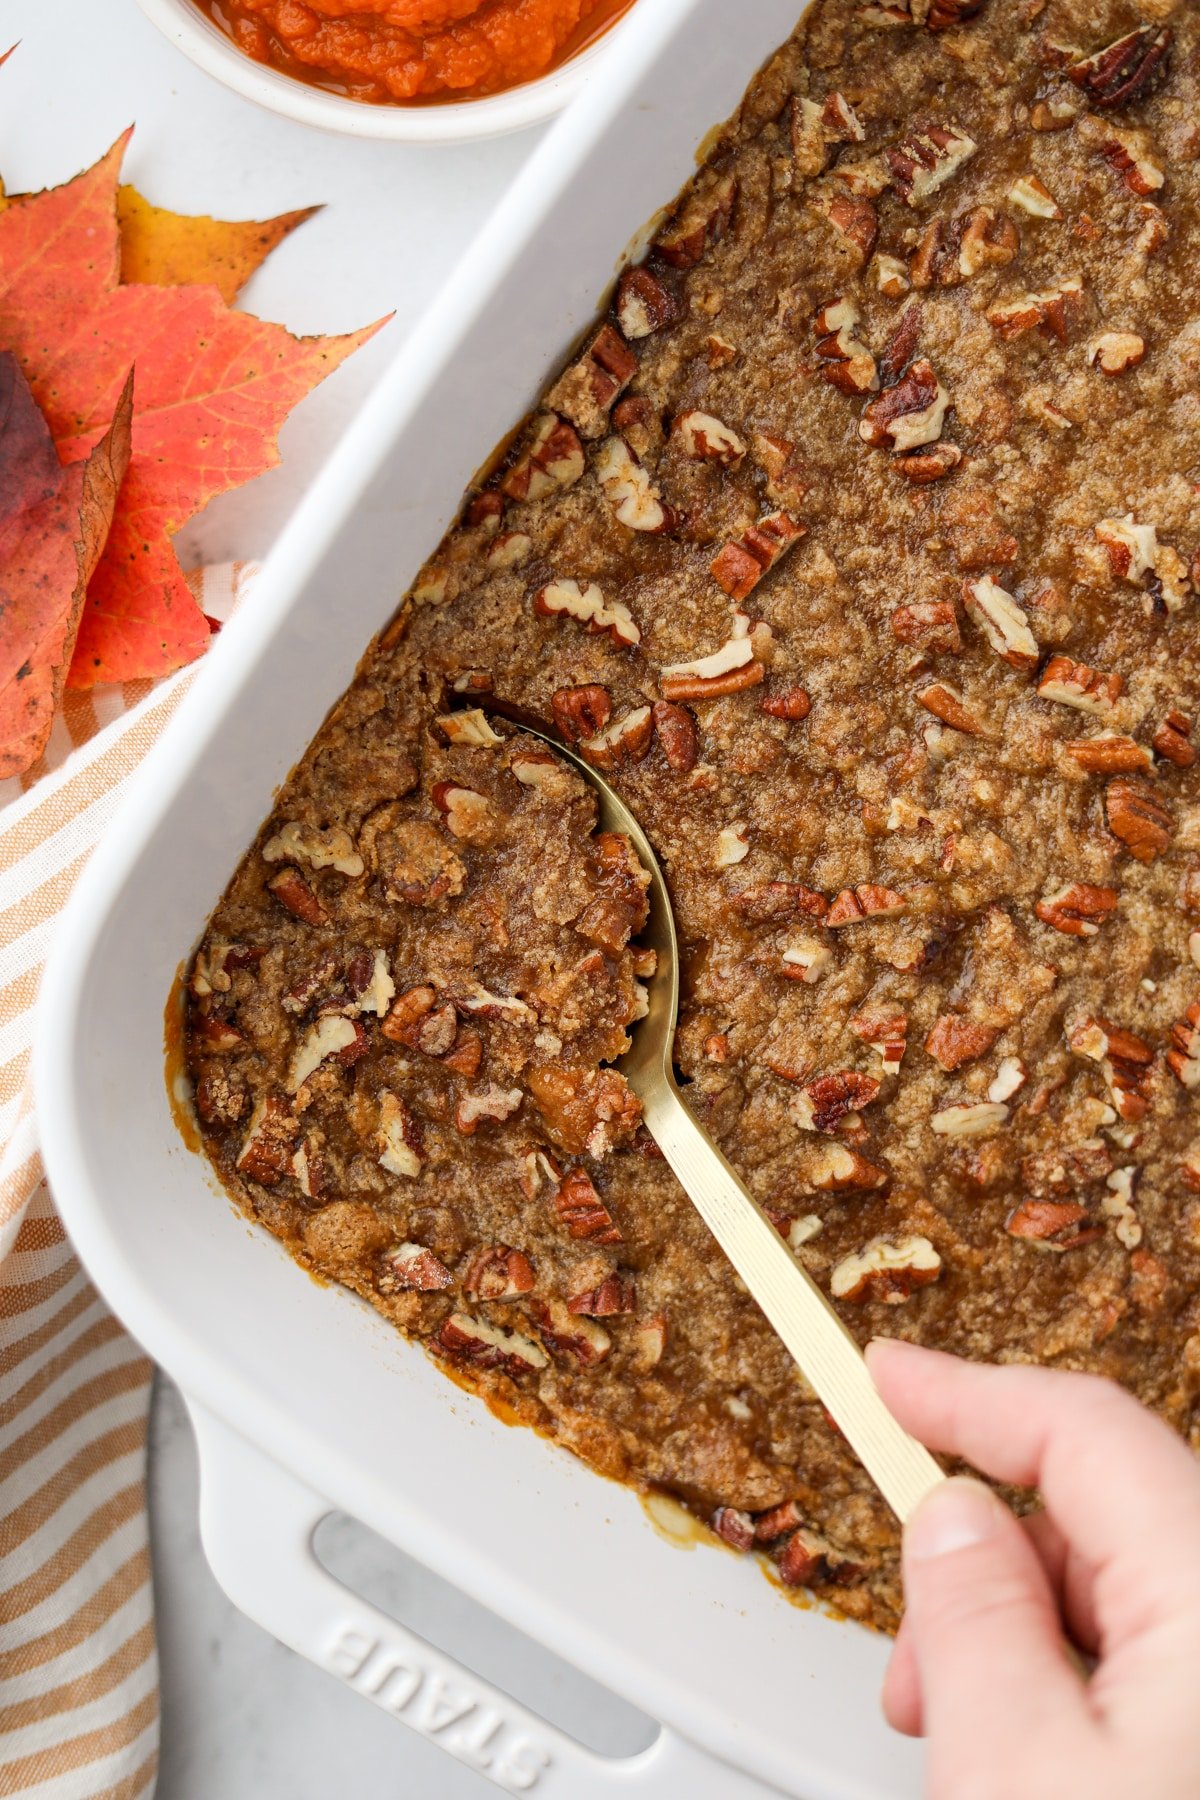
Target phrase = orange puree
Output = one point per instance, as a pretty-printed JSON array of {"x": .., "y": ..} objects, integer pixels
[{"x": 389, "y": 50}]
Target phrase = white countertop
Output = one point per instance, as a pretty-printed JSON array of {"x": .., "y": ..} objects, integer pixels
[{"x": 243, "y": 1718}]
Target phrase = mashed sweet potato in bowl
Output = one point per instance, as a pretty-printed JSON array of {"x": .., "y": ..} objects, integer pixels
[{"x": 426, "y": 69}]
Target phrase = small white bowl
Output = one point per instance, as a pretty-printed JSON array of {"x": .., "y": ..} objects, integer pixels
[{"x": 448, "y": 122}]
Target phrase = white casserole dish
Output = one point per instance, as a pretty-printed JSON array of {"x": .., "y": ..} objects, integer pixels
[{"x": 303, "y": 1398}]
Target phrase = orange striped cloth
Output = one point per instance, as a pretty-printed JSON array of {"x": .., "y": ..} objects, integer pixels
[{"x": 78, "y": 1667}]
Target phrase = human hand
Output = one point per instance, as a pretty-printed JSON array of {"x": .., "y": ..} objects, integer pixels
[{"x": 981, "y": 1666}]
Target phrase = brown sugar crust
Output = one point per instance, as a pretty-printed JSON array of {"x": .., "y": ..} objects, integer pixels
[{"x": 860, "y": 547}]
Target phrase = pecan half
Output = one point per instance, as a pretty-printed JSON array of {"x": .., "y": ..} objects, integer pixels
[
  {"x": 824, "y": 1102},
  {"x": 553, "y": 460},
  {"x": 615, "y": 1294},
  {"x": 1115, "y": 352},
  {"x": 1004, "y": 624},
  {"x": 413, "y": 1268},
  {"x": 1075, "y": 684},
  {"x": 773, "y": 901},
  {"x": 706, "y": 438},
  {"x": 1126, "y": 70},
  {"x": 266, "y": 1151},
  {"x": 296, "y": 897},
  {"x": 1051, "y": 1223},
  {"x": 867, "y": 901},
  {"x": 1138, "y": 818},
  {"x": 497, "y": 1272},
  {"x": 635, "y": 500},
  {"x": 581, "y": 712},
  {"x": 626, "y": 740},
  {"x": 1051, "y": 311},
  {"x": 1108, "y": 754},
  {"x": 792, "y": 704},
  {"x": 947, "y": 705},
  {"x": 571, "y": 599},
  {"x": 486, "y": 1346},
  {"x": 856, "y": 222}
]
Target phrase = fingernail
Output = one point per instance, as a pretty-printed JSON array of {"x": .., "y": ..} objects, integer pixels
[{"x": 955, "y": 1516}]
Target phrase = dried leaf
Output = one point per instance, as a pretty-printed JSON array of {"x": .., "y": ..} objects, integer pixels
[
  {"x": 166, "y": 249},
  {"x": 213, "y": 388},
  {"x": 53, "y": 525}
]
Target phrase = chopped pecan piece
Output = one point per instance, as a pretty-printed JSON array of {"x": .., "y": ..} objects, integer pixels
[
  {"x": 1051, "y": 1223},
  {"x": 931, "y": 625},
  {"x": 413, "y": 1267},
  {"x": 678, "y": 734},
  {"x": 907, "y": 415},
  {"x": 700, "y": 222},
  {"x": 734, "y": 1527},
  {"x": 933, "y": 464},
  {"x": 791, "y": 704},
  {"x": 649, "y": 1342},
  {"x": 1008, "y": 1079},
  {"x": 892, "y": 276},
  {"x": 1125, "y": 1060},
  {"x": 491, "y": 1102},
  {"x": 741, "y": 565},
  {"x": 586, "y": 1110},
  {"x": 1075, "y": 684},
  {"x": 707, "y": 439},
  {"x": 947, "y": 705},
  {"x": 266, "y": 1151},
  {"x": 849, "y": 365},
  {"x": 626, "y": 740},
  {"x": 773, "y": 901},
  {"x": 966, "y": 1119},
  {"x": 635, "y": 501},
  {"x": 498, "y": 1272},
  {"x": 468, "y": 813},
  {"x": 1137, "y": 557},
  {"x": 587, "y": 604},
  {"x": 954, "y": 1041},
  {"x": 331, "y": 849},
  {"x": 215, "y": 1034},
  {"x": 470, "y": 728},
  {"x": 1183, "y": 1059},
  {"x": 1108, "y": 753},
  {"x": 615, "y": 1294},
  {"x": 466, "y": 1056},
  {"x": 586, "y": 392},
  {"x": 400, "y": 1138},
  {"x": 1172, "y": 740},
  {"x": 1125, "y": 152},
  {"x": 1113, "y": 352},
  {"x": 488, "y": 1346},
  {"x": 987, "y": 239},
  {"x": 943, "y": 14},
  {"x": 837, "y": 1169},
  {"x": 644, "y": 304},
  {"x": 331, "y": 1035},
  {"x": 824, "y": 1102},
  {"x": 1138, "y": 818},
  {"x": 1035, "y": 198},
  {"x": 1004, "y": 624},
  {"x": 571, "y": 1334},
  {"x": 1126, "y": 70},
  {"x": 1078, "y": 909},
  {"x": 553, "y": 460},
  {"x": 867, "y": 901},
  {"x": 295, "y": 896},
  {"x": 856, "y": 222},
  {"x": 581, "y": 712},
  {"x": 887, "y": 1270},
  {"x": 925, "y": 159},
  {"x": 806, "y": 960},
  {"x": 510, "y": 550},
  {"x": 886, "y": 1031},
  {"x": 815, "y": 125},
  {"x": 1052, "y": 311}
]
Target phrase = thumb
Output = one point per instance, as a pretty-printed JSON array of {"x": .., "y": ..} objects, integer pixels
[{"x": 985, "y": 1632}]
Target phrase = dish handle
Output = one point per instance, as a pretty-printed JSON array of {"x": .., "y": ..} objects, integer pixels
[{"x": 257, "y": 1524}]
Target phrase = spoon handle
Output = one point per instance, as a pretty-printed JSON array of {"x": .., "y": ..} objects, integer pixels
[{"x": 827, "y": 1355}]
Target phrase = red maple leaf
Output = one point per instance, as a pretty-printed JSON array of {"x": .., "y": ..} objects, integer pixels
[
  {"x": 213, "y": 387},
  {"x": 53, "y": 525}
]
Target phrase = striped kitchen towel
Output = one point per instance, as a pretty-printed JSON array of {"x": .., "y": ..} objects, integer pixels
[{"x": 78, "y": 1668}]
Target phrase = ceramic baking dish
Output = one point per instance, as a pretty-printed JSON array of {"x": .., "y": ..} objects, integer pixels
[{"x": 304, "y": 1400}]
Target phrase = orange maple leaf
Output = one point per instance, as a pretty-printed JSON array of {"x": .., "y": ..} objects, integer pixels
[
  {"x": 213, "y": 387},
  {"x": 166, "y": 248}
]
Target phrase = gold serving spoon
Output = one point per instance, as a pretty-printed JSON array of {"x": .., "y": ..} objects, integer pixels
[{"x": 827, "y": 1355}]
